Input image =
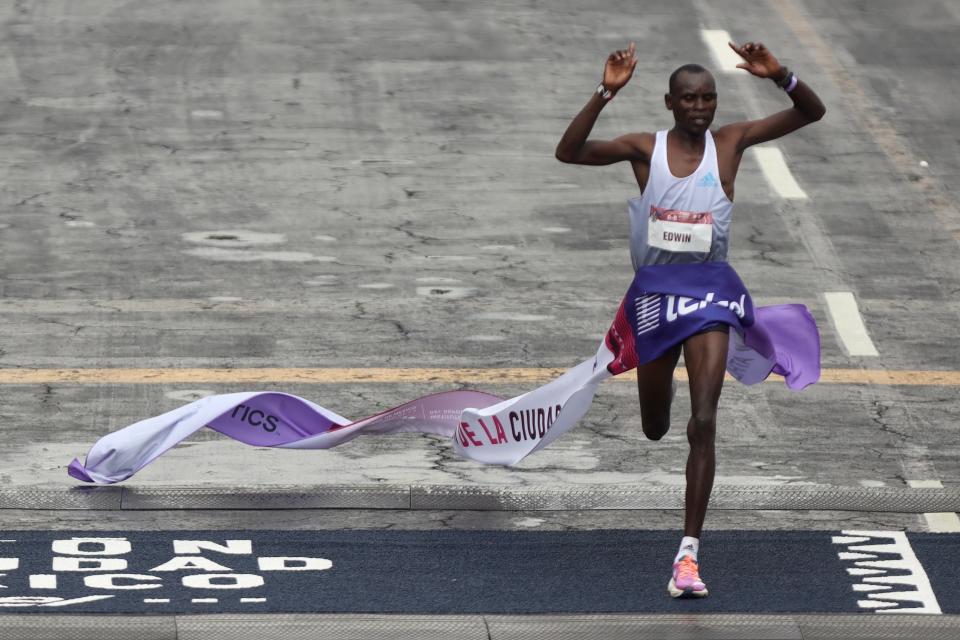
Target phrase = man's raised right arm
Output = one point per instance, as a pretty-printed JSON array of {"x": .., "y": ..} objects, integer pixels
[{"x": 574, "y": 147}]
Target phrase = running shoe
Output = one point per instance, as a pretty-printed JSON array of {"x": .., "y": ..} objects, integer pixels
[{"x": 686, "y": 582}]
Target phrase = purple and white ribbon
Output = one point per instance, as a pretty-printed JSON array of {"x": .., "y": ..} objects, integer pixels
[{"x": 665, "y": 305}]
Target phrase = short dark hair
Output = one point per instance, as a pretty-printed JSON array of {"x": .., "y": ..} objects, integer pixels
[{"x": 687, "y": 68}]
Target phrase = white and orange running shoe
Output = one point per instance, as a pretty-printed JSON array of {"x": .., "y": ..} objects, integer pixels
[{"x": 686, "y": 582}]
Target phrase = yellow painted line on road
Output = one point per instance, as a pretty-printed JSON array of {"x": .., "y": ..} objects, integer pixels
[{"x": 409, "y": 375}]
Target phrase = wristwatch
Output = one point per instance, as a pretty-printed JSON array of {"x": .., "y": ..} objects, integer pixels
[
  {"x": 785, "y": 80},
  {"x": 604, "y": 93}
]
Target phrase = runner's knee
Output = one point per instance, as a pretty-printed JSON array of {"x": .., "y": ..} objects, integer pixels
[
  {"x": 702, "y": 429},
  {"x": 655, "y": 428}
]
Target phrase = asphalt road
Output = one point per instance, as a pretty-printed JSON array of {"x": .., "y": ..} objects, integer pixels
[{"x": 233, "y": 184}]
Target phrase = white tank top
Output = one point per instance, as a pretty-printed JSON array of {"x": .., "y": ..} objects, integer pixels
[{"x": 680, "y": 219}]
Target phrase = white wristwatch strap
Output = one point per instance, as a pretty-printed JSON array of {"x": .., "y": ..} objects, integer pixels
[{"x": 603, "y": 92}]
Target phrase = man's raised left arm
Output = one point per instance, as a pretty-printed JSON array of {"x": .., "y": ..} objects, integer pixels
[{"x": 807, "y": 106}]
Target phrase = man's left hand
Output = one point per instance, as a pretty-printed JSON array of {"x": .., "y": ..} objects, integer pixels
[{"x": 758, "y": 60}]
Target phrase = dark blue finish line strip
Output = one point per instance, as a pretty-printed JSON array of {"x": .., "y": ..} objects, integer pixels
[
  {"x": 939, "y": 553},
  {"x": 440, "y": 572}
]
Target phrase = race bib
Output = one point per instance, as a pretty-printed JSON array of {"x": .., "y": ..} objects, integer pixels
[{"x": 674, "y": 230}]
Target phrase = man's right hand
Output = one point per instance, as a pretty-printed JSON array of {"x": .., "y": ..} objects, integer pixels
[{"x": 619, "y": 68}]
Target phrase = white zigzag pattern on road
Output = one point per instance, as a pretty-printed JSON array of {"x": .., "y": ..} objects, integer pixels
[{"x": 888, "y": 583}]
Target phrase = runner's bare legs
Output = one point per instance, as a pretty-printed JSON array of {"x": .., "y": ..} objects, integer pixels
[
  {"x": 655, "y": 385},
  {"x": 705, "y": 355}
]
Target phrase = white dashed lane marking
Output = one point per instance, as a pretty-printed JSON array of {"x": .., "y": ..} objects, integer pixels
[
  {"x": 207, "y": 114},
  {"x": 723, "y": 56},
  {"x": 941, "y": 522},
  {"x": 777, "y": 173},
  {"x": 849, "y": 323}
]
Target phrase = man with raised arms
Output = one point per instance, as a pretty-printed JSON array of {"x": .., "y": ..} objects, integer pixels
[{"x": 686, "y": 177}]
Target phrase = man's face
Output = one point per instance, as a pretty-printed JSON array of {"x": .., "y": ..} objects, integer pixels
[{"x": 693, "y": 100}]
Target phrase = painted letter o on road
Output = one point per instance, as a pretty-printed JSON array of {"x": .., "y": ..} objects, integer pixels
[
  {"x": 101, "y": 547},
  {"x": 222, "y": 580}
]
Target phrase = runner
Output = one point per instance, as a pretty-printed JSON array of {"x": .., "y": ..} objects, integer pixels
[{"x": 686, "y": 219}]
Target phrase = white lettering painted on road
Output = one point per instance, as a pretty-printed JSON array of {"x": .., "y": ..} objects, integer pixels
[
  {"x": 103, "y": 546},
  {"x": 194, "y": 547},
  {"x": 849, "y": 323},
  {"x": 775, "y": 170},
  {"x": 43, "y": 581},
  {"x": 88, "y": 564},
  {"x": 46, "y": 601},
  {"x": 723, "y": 56},
  {"x": 97, "y": 557},
  {"x": 64, "y": 602},
  {"x": 180, "y": 563},
  {"x": 890, "y": 554},
  {"x": 109, "y": 581},
  {"x": 222, "y": 581}
]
